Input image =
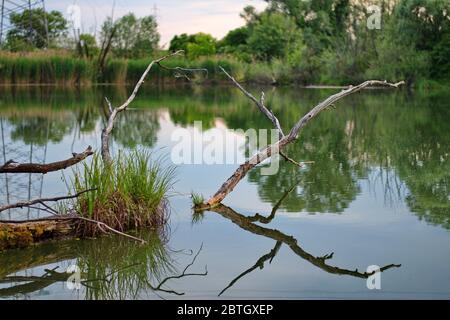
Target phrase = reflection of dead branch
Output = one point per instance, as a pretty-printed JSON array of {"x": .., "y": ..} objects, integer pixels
[
  {"x": 259, "y": 264},
  {"x": 284, "y": 140},
  {"x": 33, "y": 283},
  {"x": 321, "y": 262},
  {"x": 182, "y": 275},
  {"x": 14, "y": 167},
  {"x": 268, "y": 219}
]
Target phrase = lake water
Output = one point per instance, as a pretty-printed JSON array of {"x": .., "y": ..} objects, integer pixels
[{"x": 378, "y": 193}]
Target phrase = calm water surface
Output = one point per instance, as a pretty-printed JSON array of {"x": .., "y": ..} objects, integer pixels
[{"x": 378, "y": 193}]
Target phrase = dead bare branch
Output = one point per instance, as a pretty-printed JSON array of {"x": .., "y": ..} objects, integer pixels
[
  {"x": 113, "y": 114},
  {"x": 260, "y": 104},
  {"x": 102, "y": 225},
  {"x": 42, "y": 201},
  {"x": 284, "y": 140},
  {"x": 58, "y": 216},
  {"x": 14, "y": 167},
  {"x": 298, "y": 164}
]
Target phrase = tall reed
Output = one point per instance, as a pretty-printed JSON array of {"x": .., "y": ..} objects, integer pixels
[
  {"x": 44, "y": 69},
  {"x": 130, "y": 193}
]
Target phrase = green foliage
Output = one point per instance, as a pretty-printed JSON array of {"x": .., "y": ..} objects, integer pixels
[
  {"x": 425, "y": 25},
  {"x": 22, "y": 37},
  {"x": 180, "y": 42},
  {"x": 327, "y": 41},
  {"x": 197, "y": 199},
  {"x": 45, "y": 67},
  {"x": 88, "y": 45},
  {"x": 273, "y": 35},
  {"x": 194, "y": 46},
  {"x": 235, "y": 37},
  {"x": 133, "y": 37},
  {"x": 203, "y": 45}
]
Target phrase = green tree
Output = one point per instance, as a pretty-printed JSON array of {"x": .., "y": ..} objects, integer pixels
[
  {"x": 235, "y": 37},
  {"x": 148, "y": 37},
  {"x": 88, "y": 45},
  {"x": 133, "y": 37},
  {"x": 203, "y": 45},
  {"x": 235, "y": 42},
  {"x": 30, "y": 27},
  {"x": 180, "y": 42},
  {"x": 273, "y": 35},
  {"x": 425, "y": 25},
  {"x": 195, "y": 45}
]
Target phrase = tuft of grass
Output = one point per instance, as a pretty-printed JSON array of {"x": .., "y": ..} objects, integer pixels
[
  {"x": 197, "y": 198},
  {"x": 130, "y": 193}
]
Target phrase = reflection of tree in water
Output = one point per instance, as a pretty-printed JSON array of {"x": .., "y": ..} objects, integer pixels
[
  {"x": 405, "y": 139},
  {"x": 110, "y": 267},
  {"x": 327, "y": 185},
  {"x": 40, "y": 130},
  {"x": 136, "y": 128}
]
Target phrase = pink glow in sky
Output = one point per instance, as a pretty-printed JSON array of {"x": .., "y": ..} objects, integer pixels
[{"x": 216, "y": 17}]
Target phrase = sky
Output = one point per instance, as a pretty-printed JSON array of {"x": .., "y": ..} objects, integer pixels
[{"x": 174, "y": 17}]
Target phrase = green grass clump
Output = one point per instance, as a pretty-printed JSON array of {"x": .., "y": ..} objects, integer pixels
[
  {"x": 130, "y": 193},
  {"x": 197, "y": 199}
]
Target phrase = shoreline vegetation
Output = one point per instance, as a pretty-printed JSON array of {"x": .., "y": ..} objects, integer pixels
[{"x": 61, "y": 68}]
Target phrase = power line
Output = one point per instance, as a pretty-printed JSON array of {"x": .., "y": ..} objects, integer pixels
[{"x": 9, "y": 7}]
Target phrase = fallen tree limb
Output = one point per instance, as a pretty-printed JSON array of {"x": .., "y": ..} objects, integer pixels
[
  {"x": 19, "y": 234},
  {"x": 14, "y": 167},
  {"x": 284, "y": 140}
]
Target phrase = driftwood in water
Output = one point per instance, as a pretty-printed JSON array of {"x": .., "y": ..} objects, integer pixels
[
  {"x": 16, "y": 234},
  {"x": 284, "y": 140},
  {"x": 14, "y": 167}
]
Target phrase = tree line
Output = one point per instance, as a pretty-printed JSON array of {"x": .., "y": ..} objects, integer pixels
[{"x": 307, "y": 42}]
